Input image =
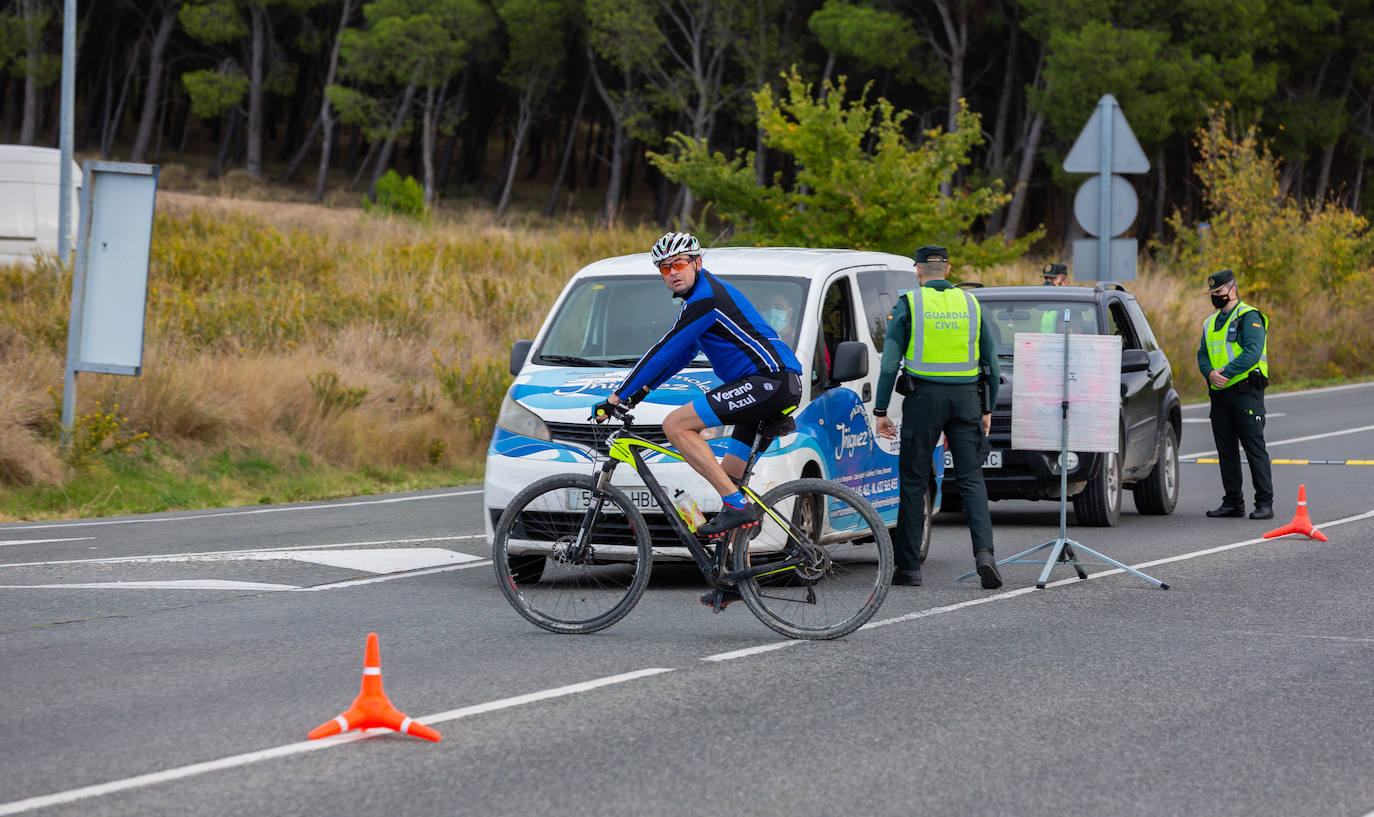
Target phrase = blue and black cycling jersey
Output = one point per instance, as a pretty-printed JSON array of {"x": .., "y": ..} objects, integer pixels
[{"x": 717, "y": 319}]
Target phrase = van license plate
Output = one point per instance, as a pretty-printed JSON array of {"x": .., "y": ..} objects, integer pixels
[
  {"x": 580, "y": 499},
  {"x": 994, "y": 459}
]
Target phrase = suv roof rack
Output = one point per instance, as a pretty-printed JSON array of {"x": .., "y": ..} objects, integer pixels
[{"x": 1104, "y": 285}]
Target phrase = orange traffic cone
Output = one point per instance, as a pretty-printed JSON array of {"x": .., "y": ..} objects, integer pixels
[
  {"x": 1301, "y": 523},
  {"x": 372, "y": 707}
]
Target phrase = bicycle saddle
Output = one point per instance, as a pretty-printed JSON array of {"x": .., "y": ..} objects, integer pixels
[{"x": 777, "y": 427}]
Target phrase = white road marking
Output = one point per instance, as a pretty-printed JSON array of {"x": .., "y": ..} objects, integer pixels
[
  {"x": 289, "y": 749},
  {"x": 278, "y": 509},
  {"x": 748, "y": 651},
  {"x": 1298, "y": 393},
  {"x": 376, "y": 560},
  {"x": 184, "y": 584},
  {"x": 4, "y": 542},
  {"x": 378, "y": 579},
  {"x": 1288, "y": 441},
  {"x": 180, "y": 556},
  {"x": 1271, "y": 415}
]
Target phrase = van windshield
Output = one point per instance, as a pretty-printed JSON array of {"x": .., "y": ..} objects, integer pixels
[
  {"x": 1007, "y": 317},
  {"x": 614, "y": 321}
]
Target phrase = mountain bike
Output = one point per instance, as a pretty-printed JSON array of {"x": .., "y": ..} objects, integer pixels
[{"x": 573, "y": 553}]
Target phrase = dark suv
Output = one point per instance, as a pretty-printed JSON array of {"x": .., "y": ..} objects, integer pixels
[{"x": 1150, "y": 421}]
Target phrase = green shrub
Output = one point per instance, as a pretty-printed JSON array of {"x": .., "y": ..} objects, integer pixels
[{"x": 398, "y": 196}]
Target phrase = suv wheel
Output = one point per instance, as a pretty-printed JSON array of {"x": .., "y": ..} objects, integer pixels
[
  {"x": 1158, "y": 493},
  {"x": 1099, "y": 503}
]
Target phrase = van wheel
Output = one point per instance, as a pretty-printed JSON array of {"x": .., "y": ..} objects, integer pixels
[
  {"x": 925, "y": 531},
  {"x": 1099, "y": 503},
  {"x": 1157, "y": 494}
]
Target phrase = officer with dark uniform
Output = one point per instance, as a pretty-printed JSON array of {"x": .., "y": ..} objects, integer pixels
[
  {"x": 1234, "y": 357},
  {"x": 937, "y": 334},
  {"x": 1055, "y": 275}
]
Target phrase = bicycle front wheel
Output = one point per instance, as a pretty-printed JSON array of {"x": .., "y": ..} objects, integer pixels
[
  {"x": 846, "y": 557},
  {"x": 593, "y": 550}
]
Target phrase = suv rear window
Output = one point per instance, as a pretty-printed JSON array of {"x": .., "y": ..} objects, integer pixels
[{"x": 1007, "y": 317}]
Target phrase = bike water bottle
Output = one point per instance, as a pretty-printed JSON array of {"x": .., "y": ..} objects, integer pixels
[{"x": 688, "y": 510}]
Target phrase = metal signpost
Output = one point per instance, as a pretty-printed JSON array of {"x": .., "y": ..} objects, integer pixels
[
  {"x": 1106, "y": 204},
  {"x": 110, "y": 278}
]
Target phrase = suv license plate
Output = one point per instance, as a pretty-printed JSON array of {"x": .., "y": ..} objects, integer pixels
[
  {"x": 994, "y": 460},
  {"x": 580, "y": 499}
]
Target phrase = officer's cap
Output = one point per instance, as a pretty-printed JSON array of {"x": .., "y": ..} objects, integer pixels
[
  {"x": 931, "y": 252},
  {"x": 1220, "y": 278},
  {"x": 1052, "y": 270}
]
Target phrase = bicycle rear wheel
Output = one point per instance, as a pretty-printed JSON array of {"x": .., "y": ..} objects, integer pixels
[
  {"x": 583, "y": 587},
  {"x": 847, "y": 565}
]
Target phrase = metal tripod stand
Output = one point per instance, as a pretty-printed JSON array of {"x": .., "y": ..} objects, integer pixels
[{"x": 1064, "y": 550}]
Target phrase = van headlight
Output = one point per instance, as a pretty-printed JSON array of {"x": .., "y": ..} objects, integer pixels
[{"x": 517, "y": 419}]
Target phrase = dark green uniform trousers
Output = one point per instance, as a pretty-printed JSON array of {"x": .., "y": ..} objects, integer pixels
[
  {"x": 1238, "y": 417},
  {"x": 954, "y": 409}
]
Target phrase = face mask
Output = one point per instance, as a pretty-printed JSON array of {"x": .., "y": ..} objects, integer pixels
[
  {"x": 776, "y": 318},
  {"x": 1220, "y": 301}
]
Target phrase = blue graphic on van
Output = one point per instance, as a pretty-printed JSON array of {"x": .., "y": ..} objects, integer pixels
[
  {"x": 507, "y": 444},
  {"x": 837, "y": 423},
  {"x": 574, "y": 388}
]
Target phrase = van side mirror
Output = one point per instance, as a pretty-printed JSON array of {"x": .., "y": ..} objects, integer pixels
[
  {"x": 851, "y": 361},
  {"x": 1135, "y": 360},
  {"x": 518, "y": 353}
]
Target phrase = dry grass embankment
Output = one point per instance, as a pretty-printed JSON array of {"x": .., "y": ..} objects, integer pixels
[{"x": 291, "y": 334}]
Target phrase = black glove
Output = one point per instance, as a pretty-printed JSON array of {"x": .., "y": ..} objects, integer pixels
[{"x": 603, "y": 411}]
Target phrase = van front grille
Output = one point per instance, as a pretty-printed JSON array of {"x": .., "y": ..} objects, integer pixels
[{"x": 588, "y": 435}]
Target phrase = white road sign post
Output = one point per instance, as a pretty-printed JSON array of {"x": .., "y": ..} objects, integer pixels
[
  {"x": 1106, "y": 204},
  {"x": 110, "y": 277}
]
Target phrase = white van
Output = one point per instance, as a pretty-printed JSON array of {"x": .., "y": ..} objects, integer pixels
[
  {"x": 612, "y": 311},
  {"x": 29, "y": 194}
]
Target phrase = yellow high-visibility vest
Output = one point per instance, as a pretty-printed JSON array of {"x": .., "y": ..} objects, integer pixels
[
  {"x": 1222, "y": 347},
  {"x": 945, "y": 328}
]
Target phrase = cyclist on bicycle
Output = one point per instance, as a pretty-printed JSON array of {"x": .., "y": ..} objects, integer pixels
[{"x": 761, "y": 376}]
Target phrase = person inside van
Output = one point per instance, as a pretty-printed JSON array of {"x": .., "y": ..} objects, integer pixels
[
  {"x": 761, "y": 375},
  {"x": 778, "y": 313}
]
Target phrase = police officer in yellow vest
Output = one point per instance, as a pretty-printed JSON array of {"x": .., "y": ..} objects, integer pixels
[
  {"x": 1234, "y": 357},
  {"x": 938, "y": 335}
]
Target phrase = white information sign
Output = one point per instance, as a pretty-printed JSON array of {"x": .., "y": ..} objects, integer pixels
[
  {"x": 110, "y": 286},
  {"x": 1094, "y": 392}
]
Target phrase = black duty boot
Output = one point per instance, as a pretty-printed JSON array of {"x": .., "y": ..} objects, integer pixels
[
  {"x": 987, "y": 569},
  {"x": 907, "y": 578},
  {"x": 1236, "y": 511},
  {"x": 1263, "y": 510}
]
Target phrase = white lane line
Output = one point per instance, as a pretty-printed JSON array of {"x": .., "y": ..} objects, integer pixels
[
  {"x": 5, "y": 542},
  {"x": 1298, "y": 393},
  {"x": 172, "y": 557},
  {"x": 373, "y": 560},
  {"x": 935, "y": 611},
  {"x": 234, "y": 761},
  {"x": 1271, "y": 415},
  {"x": 180, "y": 584},
  {"x": 1288, "y": 441},
  {"x": 279, "y": 509},
  {"x": 1182, "y": 557},
  {"x": 748, "y": 651},
  {"x": 378, "y": 579}
]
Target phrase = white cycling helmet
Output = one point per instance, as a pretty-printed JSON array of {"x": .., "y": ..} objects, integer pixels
[{"x": 672, "y": 244}]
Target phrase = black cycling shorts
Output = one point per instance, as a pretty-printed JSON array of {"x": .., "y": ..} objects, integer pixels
[{"x": 744, "y": 402}]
